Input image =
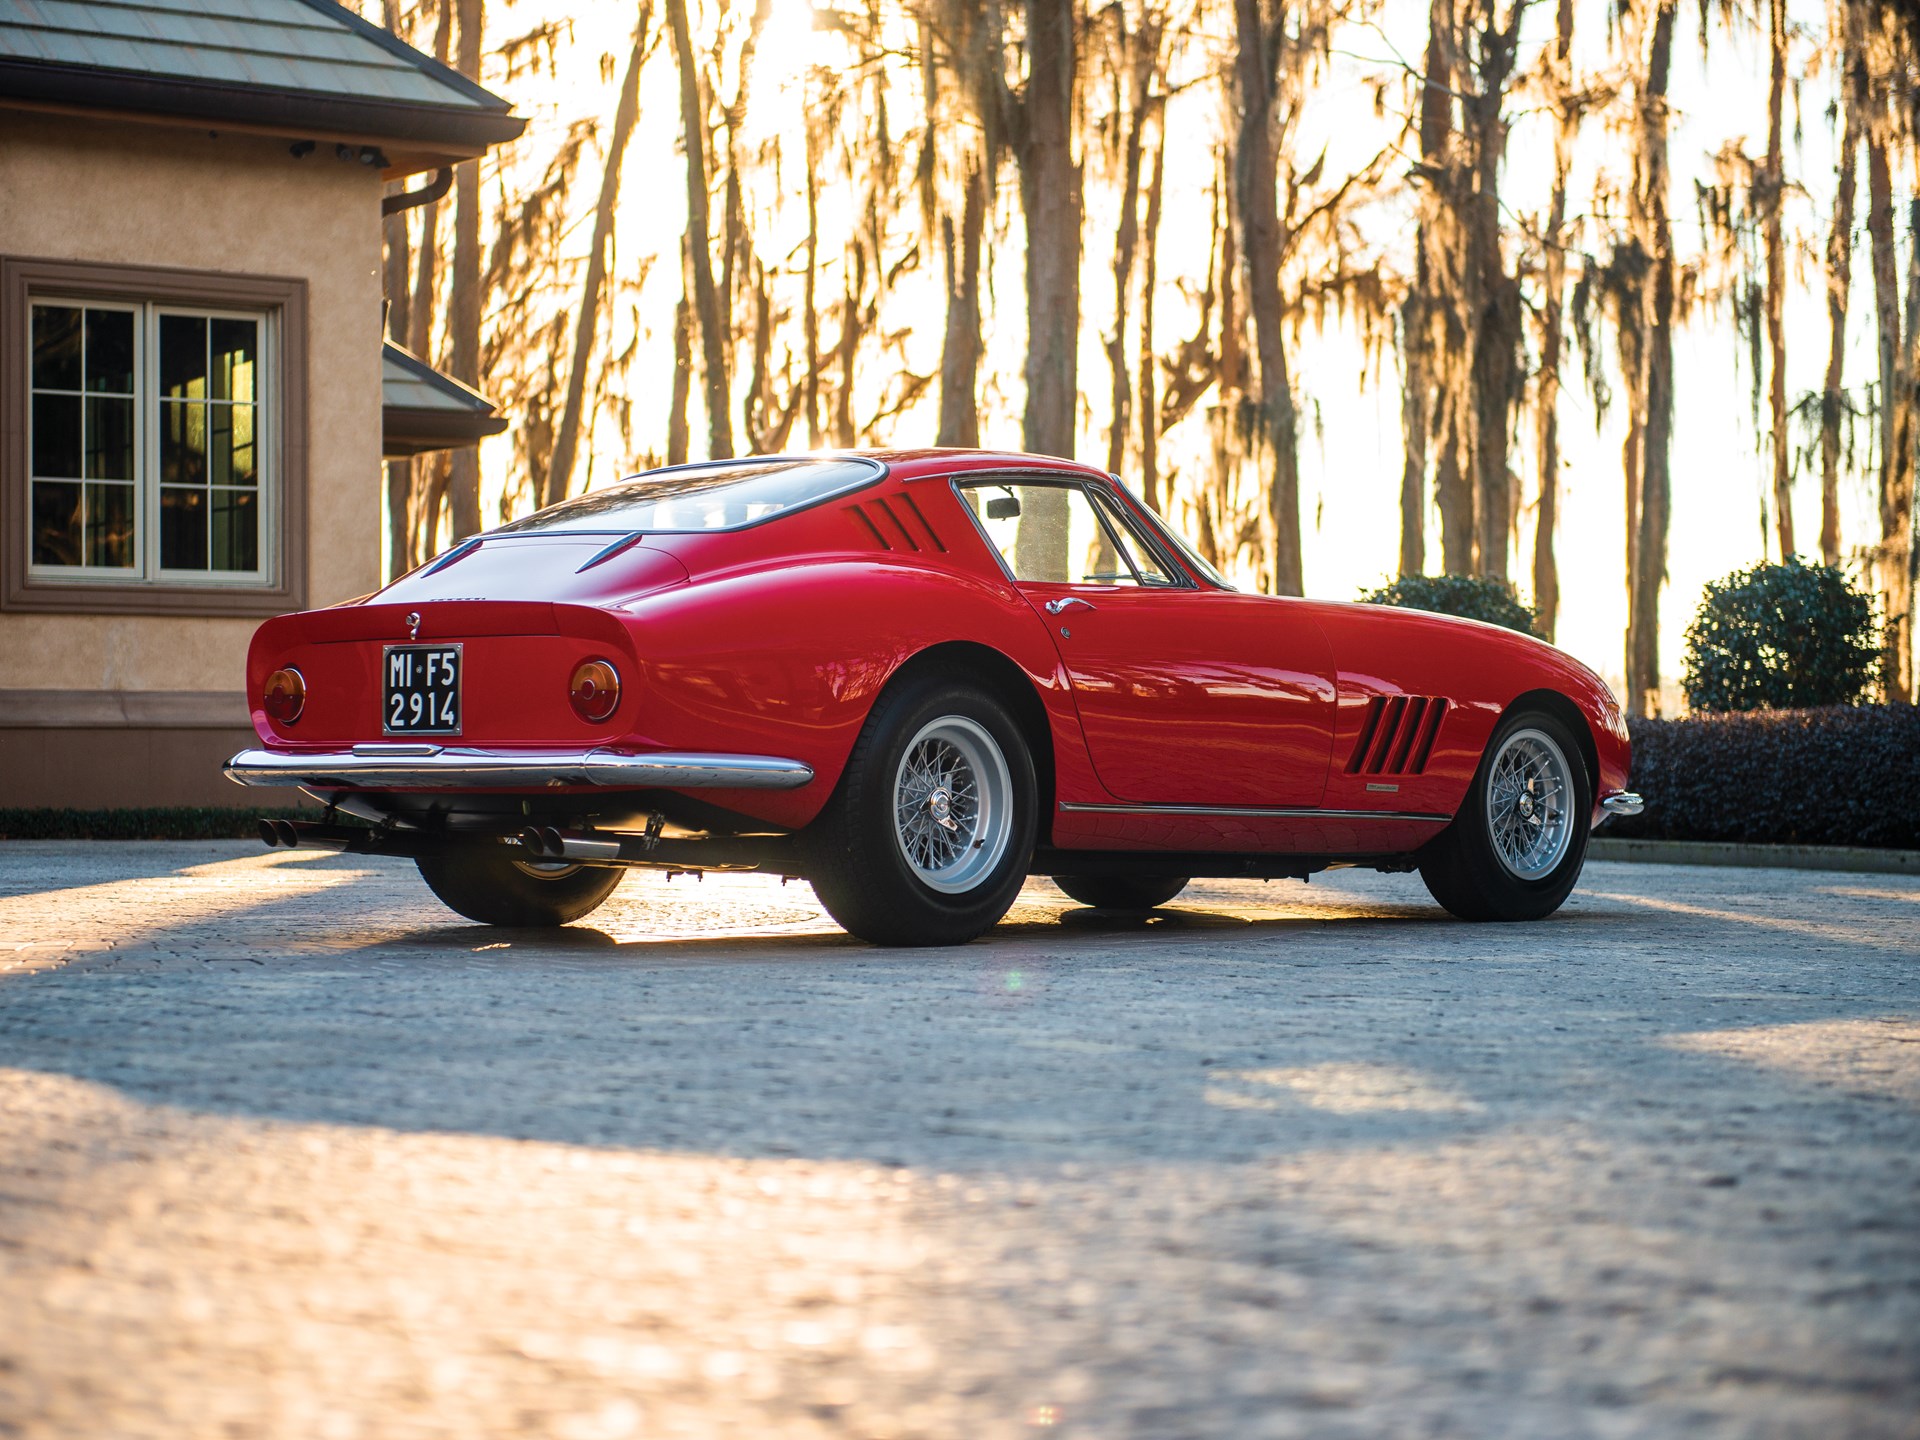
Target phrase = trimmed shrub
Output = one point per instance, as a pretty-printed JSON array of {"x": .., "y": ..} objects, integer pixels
[
  {"x": 1833, "y": 776},
  {"x": 178, "y": 823},
  {"x": 1493, "y": 601},
  {"x": 1781, "y": 637}
]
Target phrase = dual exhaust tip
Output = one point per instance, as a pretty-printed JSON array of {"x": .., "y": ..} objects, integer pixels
[{"x": 275, "y": 833}]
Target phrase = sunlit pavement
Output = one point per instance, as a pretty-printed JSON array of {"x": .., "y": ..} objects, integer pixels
[{"x": 288, "y": 1150}]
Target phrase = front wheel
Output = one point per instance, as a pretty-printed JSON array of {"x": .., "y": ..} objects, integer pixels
[
  {"x": 498, "y": 890},
  {"x": 1121, "y": 892},
  {"x": 1517, "y": 846},
  {"x": 926, "y": 840}
]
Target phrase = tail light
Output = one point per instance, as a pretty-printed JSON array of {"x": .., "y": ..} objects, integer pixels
[
  {"x": 595, "y": 691},
  {"x": 285, "y": 696}
]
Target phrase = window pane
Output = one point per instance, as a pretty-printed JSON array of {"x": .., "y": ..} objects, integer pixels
[
  {"x": 1144, "y": 560},
  {"x": 183, "y": 443},
  {"x": 183, "y": 529},
  {"x": 110, "y": 351},
  {"x": 235, "y": 344},
  {"x": 704, "y": 497},
  {"x": 183, "y": 357},
  {"x": 236, "y": 530},
  {"x": 109, "y": 438},
  {"x": 110, "y": 526},
  {"x": 56, "y": 436},
  {"x": 230, "y": 437},
  {"x": 56, "y": 347},
  {"x": 1047, "y": 533},
  {"x": 56, "y": 523}
]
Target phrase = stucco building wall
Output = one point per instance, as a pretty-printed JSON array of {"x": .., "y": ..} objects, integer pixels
[{"x": 126, "y": 194}]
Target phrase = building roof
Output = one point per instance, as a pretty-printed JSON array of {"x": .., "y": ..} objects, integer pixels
[
  {"x": 423, "y": 409},
  {"x": 309, "y": 69}
]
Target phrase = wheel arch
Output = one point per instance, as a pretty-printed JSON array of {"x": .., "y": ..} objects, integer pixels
[
  {"x": 1567, "y": 713},
  {"x": 1002, "y": 677}
]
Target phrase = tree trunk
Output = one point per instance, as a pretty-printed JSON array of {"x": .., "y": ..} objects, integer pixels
[
  {"x": 1643, "y": 674},
  {"x": 560, "y": 470},
  {"x": 960, "y": 347},
  {"x": 1418, "y": 314},
  {"x": 1142, "y": 48},
  {"x": 1774, "y": 182},
  {"x": 1546, "y": 571},
  {"x": 1149, "y": 278},
  {"x": 1050, "y": 192},
  {"x": 1833, "y": 397},
  {"x": 1256, "y": 191},
  {"x": 422, "y": 518},
  {"x": 1896, "y": 498},
  {"x": 1494, "y": 295},
  {"x": 810, "y": 309},
  {"x": 706, "y": 299},
  {"x": 682, "y": 369},
  {"x": 395, "y": 282},
  {"x": 467, "y": 302}
]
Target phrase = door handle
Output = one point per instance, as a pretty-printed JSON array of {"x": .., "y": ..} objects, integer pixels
[{"x": 1066, "y": 603}]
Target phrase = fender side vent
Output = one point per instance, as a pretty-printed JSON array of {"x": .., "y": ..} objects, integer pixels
[
  {"x": 932, "y": 534},
  {"x": 864, "y": 524},
  {"x": 1397, "y": 735},
  {"x": 887, "y": 520}
]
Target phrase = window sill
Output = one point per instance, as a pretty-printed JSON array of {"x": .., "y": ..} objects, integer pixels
[{"x": 95, "y": 598}]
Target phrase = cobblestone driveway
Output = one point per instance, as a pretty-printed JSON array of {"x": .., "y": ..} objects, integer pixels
[{"x": 287, "y": 1150}]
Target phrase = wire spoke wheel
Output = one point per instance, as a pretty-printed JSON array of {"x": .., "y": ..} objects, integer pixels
[
  {"x": 952, "y": 804},
  {"x": 1530, "y": 798}
]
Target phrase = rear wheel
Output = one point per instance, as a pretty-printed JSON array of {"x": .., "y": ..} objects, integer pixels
[
  {"x": 1517, "y": 846},
  {"x": 499, "y": 890},
  {"x": 926, "y": 840},
  {"x": 1122, "y": 892}
]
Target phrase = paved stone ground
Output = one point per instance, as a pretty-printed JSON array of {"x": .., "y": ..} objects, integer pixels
[{"x": 286, "y": 1150}]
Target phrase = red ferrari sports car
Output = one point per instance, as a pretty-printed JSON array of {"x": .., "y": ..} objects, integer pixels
[{"x": 914, "y": 678}]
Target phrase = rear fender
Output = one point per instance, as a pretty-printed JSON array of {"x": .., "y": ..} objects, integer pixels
[{"x": 790, "y": 662}]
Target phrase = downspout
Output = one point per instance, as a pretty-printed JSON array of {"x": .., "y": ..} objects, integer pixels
[{"x": 425, "y": 195}]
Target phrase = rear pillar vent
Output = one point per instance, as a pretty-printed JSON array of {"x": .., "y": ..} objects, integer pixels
[{"x": 1397, "y": 735}]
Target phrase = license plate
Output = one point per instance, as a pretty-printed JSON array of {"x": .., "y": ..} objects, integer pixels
[{"x": 422, "y": 690}]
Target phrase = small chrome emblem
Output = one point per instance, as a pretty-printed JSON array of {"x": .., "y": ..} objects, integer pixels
[{"x": 413, "y": 625}]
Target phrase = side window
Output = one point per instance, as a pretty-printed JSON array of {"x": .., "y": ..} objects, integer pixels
[
  {"x": 1146, "y": 564},
  {"x": 1056, "y": 533}
]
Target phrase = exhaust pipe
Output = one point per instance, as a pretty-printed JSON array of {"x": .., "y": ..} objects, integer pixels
[
  {"x": 553, "y": 844},
  {"x": 275, "y": 833}
]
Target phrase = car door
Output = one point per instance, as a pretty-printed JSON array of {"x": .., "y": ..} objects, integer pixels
[{"x": 1188, "y": 694}]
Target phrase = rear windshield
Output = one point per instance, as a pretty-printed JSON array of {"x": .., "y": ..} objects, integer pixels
[{"x": 704, "y": 497}]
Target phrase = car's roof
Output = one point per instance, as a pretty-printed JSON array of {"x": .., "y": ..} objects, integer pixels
[{"x": 906, "y": 464}]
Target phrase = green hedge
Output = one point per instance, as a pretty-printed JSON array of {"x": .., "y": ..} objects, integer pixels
[
  {"x": 1841, "y": 775},
  {"x": 178, "y": 823},
  {"x": 1472, "y": 598}
]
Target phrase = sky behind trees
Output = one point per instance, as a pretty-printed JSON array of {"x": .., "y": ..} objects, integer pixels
[{"x": 825, "y": 176}]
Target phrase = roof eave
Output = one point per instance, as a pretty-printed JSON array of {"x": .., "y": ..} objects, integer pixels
[{"x": 435, "y": 133}]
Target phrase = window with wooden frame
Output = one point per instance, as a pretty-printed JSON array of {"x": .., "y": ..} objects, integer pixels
[{"x": 153, "y": 440}]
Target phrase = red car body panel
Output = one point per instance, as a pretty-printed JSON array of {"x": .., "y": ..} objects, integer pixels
[{"x": 778, "y": 638}]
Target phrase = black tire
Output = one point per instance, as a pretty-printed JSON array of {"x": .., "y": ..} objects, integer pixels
[
  {"x": 858, "y": 864},
  {"x": 497, "y": 890},
  {"x": 1462, "y": 865},
  {"x": 1122, "y": 892}
]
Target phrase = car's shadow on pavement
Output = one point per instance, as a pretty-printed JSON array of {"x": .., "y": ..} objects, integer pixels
[{"x": 734, "y": 1019}]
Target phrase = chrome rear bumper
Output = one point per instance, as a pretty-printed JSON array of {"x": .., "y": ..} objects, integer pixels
[
  {"x": 1622, "y": 802},
  {"x": 437, "y": 767}
]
